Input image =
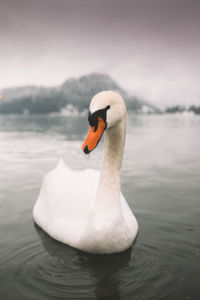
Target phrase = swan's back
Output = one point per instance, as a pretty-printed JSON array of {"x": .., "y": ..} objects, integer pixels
[{"x": 63, "y": 206}]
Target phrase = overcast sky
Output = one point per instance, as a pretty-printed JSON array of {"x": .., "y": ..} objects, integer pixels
[{"x": 151, "y": 47}]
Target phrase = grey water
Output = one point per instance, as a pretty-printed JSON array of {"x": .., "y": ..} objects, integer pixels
[{"x": 161, "y": 182}]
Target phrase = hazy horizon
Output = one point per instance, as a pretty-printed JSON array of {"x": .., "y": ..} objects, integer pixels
[{"x": 151, "y": 48}]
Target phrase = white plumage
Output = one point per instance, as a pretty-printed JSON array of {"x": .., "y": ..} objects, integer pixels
[{"x": 85, "y": 209}]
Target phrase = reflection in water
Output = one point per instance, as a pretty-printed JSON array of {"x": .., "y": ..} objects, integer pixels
[{"x": 104, "y": 269}]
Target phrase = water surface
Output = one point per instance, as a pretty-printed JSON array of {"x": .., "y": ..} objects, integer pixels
[{"x": 161, "y": 182}]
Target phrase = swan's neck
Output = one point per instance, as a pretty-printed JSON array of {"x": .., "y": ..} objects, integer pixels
[
  {"x": 113, "y": 149},
  {"x": 108, "y": 191}
]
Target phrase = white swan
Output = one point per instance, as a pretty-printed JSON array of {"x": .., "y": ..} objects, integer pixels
[{"x": 85, "y": 209}]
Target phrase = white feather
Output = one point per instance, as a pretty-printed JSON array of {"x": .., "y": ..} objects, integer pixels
[{"x": 85, "y": 209}]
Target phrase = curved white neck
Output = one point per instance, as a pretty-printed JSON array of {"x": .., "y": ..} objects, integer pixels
[{"x": 109, "y": 183}]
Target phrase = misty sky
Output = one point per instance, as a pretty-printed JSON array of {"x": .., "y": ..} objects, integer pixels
[{"x": 151, "y": 47}]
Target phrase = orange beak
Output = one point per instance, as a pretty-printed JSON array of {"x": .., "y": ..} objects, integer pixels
[{"x": 93, "y": 136}]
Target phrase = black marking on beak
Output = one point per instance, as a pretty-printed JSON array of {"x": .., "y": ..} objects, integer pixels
[
  {"x": 93, "y": 118},
  {"x": 86, "y": 151}
]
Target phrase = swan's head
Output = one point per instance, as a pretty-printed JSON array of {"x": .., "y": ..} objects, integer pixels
[{"x": 106, "y": 110}]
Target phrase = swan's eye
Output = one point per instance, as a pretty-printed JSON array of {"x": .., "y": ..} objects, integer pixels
[{"x": 93, "y": 118}]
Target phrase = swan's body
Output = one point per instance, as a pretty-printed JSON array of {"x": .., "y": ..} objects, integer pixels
[{"x": 85, "y": 209}]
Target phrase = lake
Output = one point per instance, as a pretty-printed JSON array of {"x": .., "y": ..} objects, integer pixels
[{"x": 161, "y": 182}]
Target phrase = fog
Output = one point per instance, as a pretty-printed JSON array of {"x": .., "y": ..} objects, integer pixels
[{"x": 151, "y": 48}]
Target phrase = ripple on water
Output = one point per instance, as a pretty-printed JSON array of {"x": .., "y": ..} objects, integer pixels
[
  {"x": 46, "y": 269},
  {"x": 161, "y": 181}
]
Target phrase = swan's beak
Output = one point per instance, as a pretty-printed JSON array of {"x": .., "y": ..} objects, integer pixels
[{"x": 94, "y": 136}]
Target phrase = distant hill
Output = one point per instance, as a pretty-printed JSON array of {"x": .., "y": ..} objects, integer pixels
[{"x": 75, "y": 91}]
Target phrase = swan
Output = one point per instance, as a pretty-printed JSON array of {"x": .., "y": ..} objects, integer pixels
[{"x": 86, "y": 209}]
